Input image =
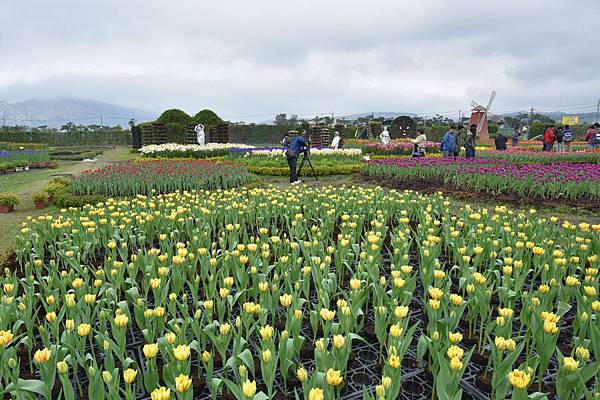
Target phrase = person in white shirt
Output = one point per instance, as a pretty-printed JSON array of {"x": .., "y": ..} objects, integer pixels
[
  {"x": 335, "y": 143},
  {"x": 419, "y": 144},
  {"x": 385, "y": 136}
]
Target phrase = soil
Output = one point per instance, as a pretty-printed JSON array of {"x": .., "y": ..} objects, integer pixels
[{"x": 436, "y": 185}]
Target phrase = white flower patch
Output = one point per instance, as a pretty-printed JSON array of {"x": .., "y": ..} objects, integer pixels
[{"x": 176, "y": 147}]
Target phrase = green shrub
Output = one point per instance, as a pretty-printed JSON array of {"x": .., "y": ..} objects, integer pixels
[
  {"x": 321, "y": 170},
  {"x": 66, "y": 199},
  {"x": 174, "y": 116},
  {"x": 40, "y": 197},
  {"x": 206, "y": 118},
  {"x": 56, "y": 185},
  {"x": 8, "y": 199}
]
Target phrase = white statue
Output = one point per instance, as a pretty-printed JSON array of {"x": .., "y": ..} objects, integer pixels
[
  {"x": 385, "y": 136},
  {"x": 335, "y": 143},
  {"x": 199, "y": 129}
]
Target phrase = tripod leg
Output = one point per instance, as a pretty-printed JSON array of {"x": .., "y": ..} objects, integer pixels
[{"x": 313, "y": 170}]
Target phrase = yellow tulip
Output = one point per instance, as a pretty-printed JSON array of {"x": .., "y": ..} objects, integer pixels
[
  {"x": 456, "y": 364},
  {"x": 129, "y": 375},
  {"x": 338, "y": 341},
  {"x": 249, "y": 388},
  {"x": 302, "y": 374},
  {"x": 121, "y": 320},
  {"x": 519, "y": 379},
  {"x": 570, "y": 364},
  {"x": 84, "y": 329},
  {"x": 182, "y": 383},
  {"x": 150, "y": 350},
  {"x": 62, "y": 367},
  {"x": 42, "y": 356},
  {"x": 161, "y": 393},
  {"x": 333, "y": 377},
  {"x": 181, "y": 352},
  {"x": 316, "y": 394},
  {"x": 455, "y": 351}
]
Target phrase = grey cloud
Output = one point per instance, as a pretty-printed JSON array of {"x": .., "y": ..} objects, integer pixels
[{"x": 270, "y": 56}]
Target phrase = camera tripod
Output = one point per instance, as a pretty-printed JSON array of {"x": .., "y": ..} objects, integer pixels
[{"x": 306, "y": 158}]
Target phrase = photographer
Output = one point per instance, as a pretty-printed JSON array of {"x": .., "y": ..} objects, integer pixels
[{"x": 297, "y": 146}]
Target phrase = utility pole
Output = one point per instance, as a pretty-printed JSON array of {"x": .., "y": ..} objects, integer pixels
[
  {"x": 101, "y": 122},
  {"x": 459, "y": 117},
  {"x": 597, "y": 110},
  {"x": 531, "y": 115}
]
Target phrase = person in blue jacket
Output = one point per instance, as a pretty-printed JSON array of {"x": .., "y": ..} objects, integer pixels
[
  {"x": 297, "y": 146},
  {"x": 448, "y": 142}
]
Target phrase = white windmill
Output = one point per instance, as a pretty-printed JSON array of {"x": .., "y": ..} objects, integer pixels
[{"x": 479, "y": 117}]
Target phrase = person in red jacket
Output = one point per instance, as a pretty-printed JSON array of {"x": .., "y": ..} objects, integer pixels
[{"x": 549, "y": 138}]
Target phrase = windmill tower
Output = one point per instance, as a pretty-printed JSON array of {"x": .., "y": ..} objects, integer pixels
[{"x": 479, "y": 117}]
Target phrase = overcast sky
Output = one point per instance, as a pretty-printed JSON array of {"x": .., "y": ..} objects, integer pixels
[{"x": 258, "y": 58}]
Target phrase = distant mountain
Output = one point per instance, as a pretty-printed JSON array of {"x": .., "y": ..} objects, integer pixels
[{"x": 56, "y": 112}]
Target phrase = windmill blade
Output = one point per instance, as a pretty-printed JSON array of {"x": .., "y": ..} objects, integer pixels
[
  {"x": 473, "y": 104},
  {"x": 491, "y": 99}
]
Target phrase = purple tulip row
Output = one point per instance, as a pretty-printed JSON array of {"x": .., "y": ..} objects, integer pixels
[{"x": 554, "y": 172}]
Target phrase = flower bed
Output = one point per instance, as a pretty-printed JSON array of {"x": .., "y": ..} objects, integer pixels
[
  {"x": 553, "y": 180},
  {"x": 399, "y": 147},
  {"x": 174, "y": 150},
  {"x": 280, "y": 152},
  {"x": 324, "y": 293},
  {"x": 139, "y": 177},
  {"x": 519, "y": 155},
  {"x": 11, "y": 159},
  {"x": 323, "y": 165}
]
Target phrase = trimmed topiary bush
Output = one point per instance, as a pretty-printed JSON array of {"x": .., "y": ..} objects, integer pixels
[
  {"x": 174, "y": 116},
  {"x": 207, "y": 118}
]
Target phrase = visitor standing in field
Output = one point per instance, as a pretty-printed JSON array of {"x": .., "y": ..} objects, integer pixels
[
  {"x": 549, "y": 138},
  {"x": 447, "y": 145},
  {"x": 457, "y": 142},
  {"x": 592, "y": 136},
  {"x": 567, "y": 137},
  {"x": 296, "y": 146},
  {"x": 558, "y": 137},
  {"x": 419, "y": 144},
  {"x": 515, "y": 137},
  {"x": 470, "y": 141},
  {"x": 500, "y": 142}
]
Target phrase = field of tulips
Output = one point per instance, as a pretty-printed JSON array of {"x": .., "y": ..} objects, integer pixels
[
  {"x": 162, "y": 176},
  {"x": 541, "y": 180},
  {"x": 519, "y": 155},
  {"x": 314, "y": 294}
]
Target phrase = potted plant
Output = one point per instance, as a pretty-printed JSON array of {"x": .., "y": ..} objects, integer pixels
[
  {"x": 20, "y": 165},
  {"x": 8, "y": 201},
  {"x": 40, "y": 199}
]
